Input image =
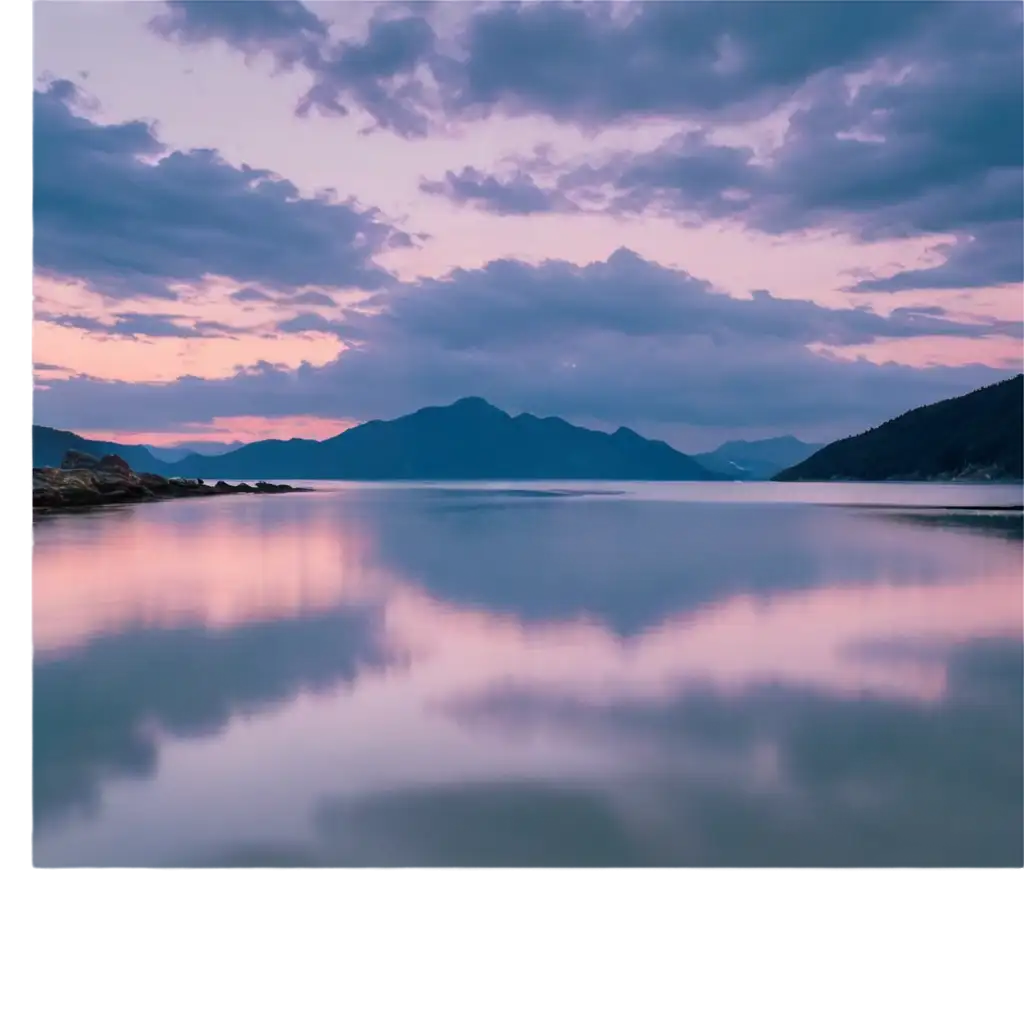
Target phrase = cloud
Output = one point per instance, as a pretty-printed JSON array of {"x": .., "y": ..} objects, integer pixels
[
  {"x": 596, "y": 64},
  {"x": 516, "y": 194},
  {"x": 307, "y": 299},
  {"x": 116, "y": 210},
  {"x": 557, "y": 306},
  {"x": 140, "y": 325},
  {"x": 620, "y": 341},
  {"x": 927, "y": 141},
  {"x": 992, "y": 256},
  {"x": 907, "y": 120},
  {"x": 380, "y": 74},
  {"x": 310, "y": 322},
  {"x": 590, "y": 65},
  {"x": 287, "y": 30},
  {"x": 250, "y": 295}
]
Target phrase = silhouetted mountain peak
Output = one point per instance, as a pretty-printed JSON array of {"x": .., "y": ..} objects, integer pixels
[
  {"x": 625, "y": 432},
  {"x": 467, "y": 440},
  {"x": 473, "y": 403}
]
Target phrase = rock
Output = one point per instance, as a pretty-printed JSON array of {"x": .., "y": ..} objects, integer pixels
[
  {"x": 157, "y": 484},
  {"x": 109, "y": 483},
  {"x": 115, "y": 464},
  {"x": 44, "y": 492},
  {"x": 78, "y": 460},
  {"x": 79, "y": 488},
  {"x": 86, "y": 481}
]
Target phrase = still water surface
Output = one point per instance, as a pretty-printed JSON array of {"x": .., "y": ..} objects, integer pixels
[{"x": 676, "y": 674}]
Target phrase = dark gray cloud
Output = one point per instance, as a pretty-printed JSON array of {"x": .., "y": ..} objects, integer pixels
[
  {"x": 141, "y": 325},
  {"x": 994, "y": 255},
  {"x": 930, "y": 142},
  {"x": 250, "y": 295},
  {"x": 381, "y": 74},
  {"x": 937, "y": 169},
  {"x": 515, "y": 193},
  {"x": 286, "y": 29},
  {"x": 595, "y": 64},
  {"x": 518, "y": 305},
  {"x": 310, "y": 322},
  {"x": 307, "y": 299},
  {"x": 588, "y": 64},
  {"x": 623, "y": 341},
  {"x": 114, "y": 209}
]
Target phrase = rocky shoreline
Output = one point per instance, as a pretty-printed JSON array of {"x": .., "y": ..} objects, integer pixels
[{"x": 83, "y": 481}]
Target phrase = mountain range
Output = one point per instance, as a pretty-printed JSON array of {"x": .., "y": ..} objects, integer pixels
[
  {"x": 468, "y": 440},
  {"x": 977, "y": 436},
  {"x": 756, "y": 460},
  {"x": 49, "y": 446},
  {"x": 175, "y": 453}
]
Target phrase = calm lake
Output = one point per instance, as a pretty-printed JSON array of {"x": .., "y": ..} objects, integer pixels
[{"x": 532, "y": 674}]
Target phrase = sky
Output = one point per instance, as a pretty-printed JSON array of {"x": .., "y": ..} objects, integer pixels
[{"x": 704, "y": 221}]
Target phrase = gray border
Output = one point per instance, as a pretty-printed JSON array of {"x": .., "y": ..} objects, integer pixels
[{"x": 450, "y": 948}]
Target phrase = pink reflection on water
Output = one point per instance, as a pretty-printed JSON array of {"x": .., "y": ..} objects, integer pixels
[
  {"x": 228, "y": 567},
  {"x": 406, "y": 722},
  {"x": 224, "y": 569},
  {"x": 843, "y": 641}
]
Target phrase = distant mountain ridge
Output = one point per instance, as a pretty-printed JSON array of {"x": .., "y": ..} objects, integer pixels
[
  {"x": 757, "y": 460},
  {"x": 467, "y": 440},
  {"x": 977, "y": 436},
  {"x": 176, "y": 453},
  {"x": 50, "y": 445}
]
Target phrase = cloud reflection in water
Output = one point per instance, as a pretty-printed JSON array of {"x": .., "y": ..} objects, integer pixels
[{"x": 528, "y": 681}]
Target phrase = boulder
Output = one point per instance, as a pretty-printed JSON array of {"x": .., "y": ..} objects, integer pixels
[
  {"x": 78, "y": 460},
  {"x": 115, "y": 464},
  {"x": 78, "y": 487}
]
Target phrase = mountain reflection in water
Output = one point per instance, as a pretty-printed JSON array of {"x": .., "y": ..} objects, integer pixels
[{"x": 484, "y": 676}]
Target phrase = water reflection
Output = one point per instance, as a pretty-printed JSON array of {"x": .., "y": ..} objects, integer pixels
[
  {"x": 396, "y": 676},
  {"x": 636, "y": 562},
  {"x": 105, "y": 711},
  {"x": 190, "y": 563}
]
